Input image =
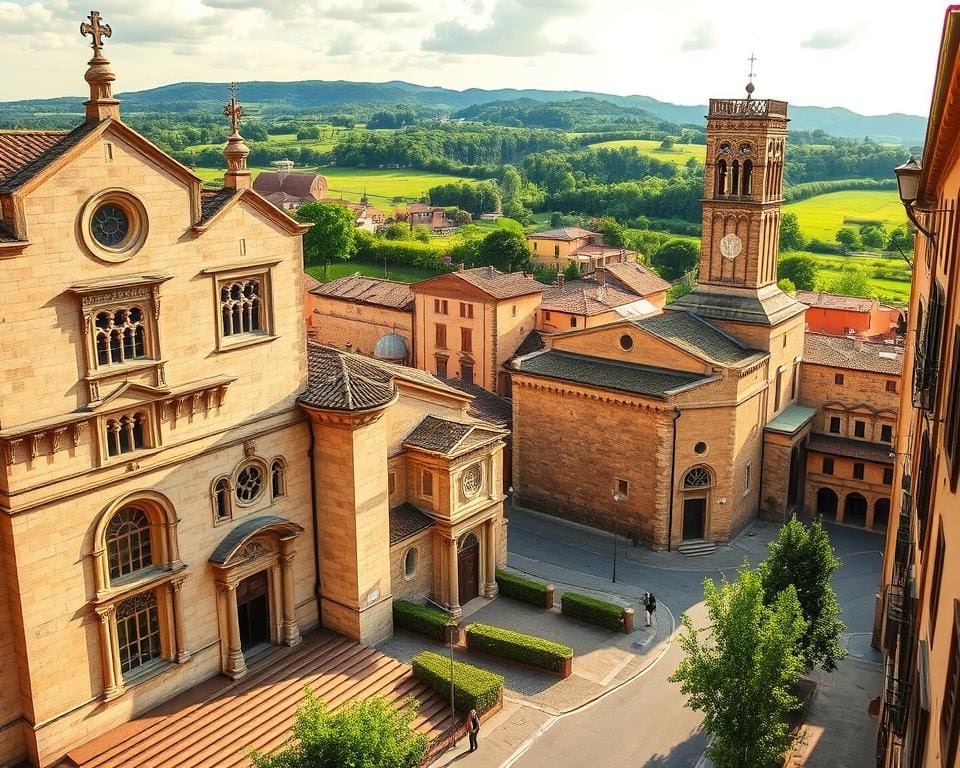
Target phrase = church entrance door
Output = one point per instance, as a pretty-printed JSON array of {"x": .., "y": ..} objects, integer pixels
[
  {"x": 694, "y": 517},
  {"x": 253, "y": 610},
  {"x": 468, "y": 560}
]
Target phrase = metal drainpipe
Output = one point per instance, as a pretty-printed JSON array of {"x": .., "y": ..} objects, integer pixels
[
  {"x": 673, "y": 470},
  {"x": 316, "y": 535}
]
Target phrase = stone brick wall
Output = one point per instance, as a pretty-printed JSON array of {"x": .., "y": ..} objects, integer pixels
[
  {"x": 356, "y": 327},
  {"x": 421, "y": 583},
  {"x": 862, "y": 396}
]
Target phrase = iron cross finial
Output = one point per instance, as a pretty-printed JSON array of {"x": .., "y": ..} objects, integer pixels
[
  {"x": 752, "y": 59},
  {"x": 96, "y": 30},
  {"x": 233, "y": 110}
]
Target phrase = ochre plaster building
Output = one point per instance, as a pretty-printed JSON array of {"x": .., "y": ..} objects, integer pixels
[
  {"x": 858, "y": 316},
  {"x": 559, "y": 248},
  {"x": 182, "y": 480},
  {"x": 918, "y": 618}
]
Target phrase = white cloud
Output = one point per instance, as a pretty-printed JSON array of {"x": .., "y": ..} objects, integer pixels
[{"x": 824, "y": 39}]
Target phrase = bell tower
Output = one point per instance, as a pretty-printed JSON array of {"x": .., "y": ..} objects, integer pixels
[{"x": 743, "y": 189}]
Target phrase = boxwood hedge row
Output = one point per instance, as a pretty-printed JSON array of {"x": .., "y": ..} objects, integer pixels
[
  {"x": 521, "y": 588},
  {"x": 473, "y": 688},
  {"x": 591, "y": 610},
  {"x": 527, "y": 649},
  {"x": 427, "y": 621}
]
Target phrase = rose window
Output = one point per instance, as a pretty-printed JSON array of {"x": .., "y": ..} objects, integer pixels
[
  {"x": 249, "y": 484},
  {"x": 471, "y": 480}
]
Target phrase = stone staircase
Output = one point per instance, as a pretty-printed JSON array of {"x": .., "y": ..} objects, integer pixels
[
  {"x": 697, "y": 548},
  {"x": 217, "y": 723}
]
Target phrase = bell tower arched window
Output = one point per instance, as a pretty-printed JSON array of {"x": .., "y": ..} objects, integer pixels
[
  {"x": 735, "y": 178},
  {"x": 721, "y": 177},
  {"x": 745, "y": 186}
]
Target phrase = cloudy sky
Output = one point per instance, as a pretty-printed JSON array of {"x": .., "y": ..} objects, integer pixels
[{"x": 873, "y": 57}]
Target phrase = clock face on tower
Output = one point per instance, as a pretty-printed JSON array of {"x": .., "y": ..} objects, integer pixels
[{"x": 730, "y": 246}]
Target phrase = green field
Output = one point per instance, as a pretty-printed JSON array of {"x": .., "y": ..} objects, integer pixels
[
  {"x": 820, "y": 217},
  {"x": 678, "y": 155},
  {"x": 393, "y": 272},
  {"x": 889, "y": 277}
]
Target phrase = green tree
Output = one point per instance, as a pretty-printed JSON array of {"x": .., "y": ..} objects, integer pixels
[
  {"x": 511, "y": 184},
  {"x": 791, "y": 239},
  {"x": 852, "y": 281},
  {"x": 504, "y": 249},
  {"x": 849, "y": 239},
  {"x": 800, "y": 269},
  {"x": 571, "y": 271},
  {"x": 396, "y": 231},
  {"x": 900, "y": 239},
  {"x": 556, "y": 219},
  {"x": 803, "y": 558},
  {"x": 676, "y": 258},
  {"x": 786, "y": 285},
  {"x": 614, "y": 233},
  {"x": 667, "y": 144},
  {"x": 371, "y": 734},
  {"x": 421, "y": 232},
  {"x": 332, "y": 233},
  {"x": 739, "y": 671},
  {"x": 873, "y": 235}
]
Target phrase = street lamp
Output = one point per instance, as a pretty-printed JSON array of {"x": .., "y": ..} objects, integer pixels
[
  {"x": 451, "y": 639},
  {"x": 908, "y": 186},
  {"x": 616, "y": 498}
]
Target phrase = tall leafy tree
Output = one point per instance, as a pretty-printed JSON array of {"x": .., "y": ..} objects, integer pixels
[
  {"x": 370, "y": 733},
  {"x": 791, "y": 239},
  {"x": 504, "y": 249},
  {"x": 739, "y": 670},
  {"x": 331, "y": 236},
  {"x": 852, "y": 281},
  {"x": 801, "y": 270},
  {"x": 802, "y": 558},
  {"x": 676, "y": 258}
]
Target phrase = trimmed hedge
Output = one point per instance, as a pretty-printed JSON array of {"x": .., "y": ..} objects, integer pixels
[
  {"x": 522, "y": 588},
  {"x": 527, "y": 649},
  {"x": 591, "y": 610},
  {"x": 421, "y": 618},
  {"x": 473, "y": 688}
]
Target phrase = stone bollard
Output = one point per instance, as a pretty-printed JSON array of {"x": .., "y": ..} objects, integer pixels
[
  {"x": 548, "y": 598},
  {"x": 628, "y": 620}
]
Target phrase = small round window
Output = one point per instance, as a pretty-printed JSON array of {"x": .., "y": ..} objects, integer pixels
[
  {"x": 113, "y": 225},
  {"x": 110, "y": 225},
  {"x": 700, "y": 448},
  {"x": 471, "y": 481},
  {"x": 249, "y": 484},
  {"x": 626, "y": 342},
  {"x": 410, "y": 563}
]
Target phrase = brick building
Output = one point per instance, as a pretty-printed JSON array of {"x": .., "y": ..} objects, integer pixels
[{"x": 181, "y": 478}]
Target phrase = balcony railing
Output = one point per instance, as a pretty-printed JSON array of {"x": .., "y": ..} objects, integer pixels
[
  {"x": 896, "y": 700},
  {"x": 747, "y": 108}
]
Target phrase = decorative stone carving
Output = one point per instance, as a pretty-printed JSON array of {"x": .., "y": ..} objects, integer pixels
[
  {"x": 56, "y": 437},
  {"x": 251, "y": 550},
  {"x": 78, "y": 430},
  {"x": 10, "y": 450},
  {"x": 249, "y": 448},
  {"x": 471, "y": 480}
]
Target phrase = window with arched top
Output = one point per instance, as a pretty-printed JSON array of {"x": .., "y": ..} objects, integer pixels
[
  {"x": 250, "y": 483},
  {"x": 120, "y": 335},
  {"x": 278, "y": 479},
  {"x": 746, "y": 182},
  {"x": 222, "y": 504},
  {"x": 721, "y": 177},
  {"x": 469, "y": 541},
  {"x": 698, "y": 477},
  {"x": 125, "y": 433},
  {"x": 735, "y": 178},
  {"x": 241, "y": 307},
  {"x": 410, "y": 563},
  {"x": 129, "y": 542}
]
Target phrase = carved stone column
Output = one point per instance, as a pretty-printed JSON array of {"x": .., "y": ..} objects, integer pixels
[
  {"x": 490, "y": 588},
  {"x": 179, "y": 628},
  {"x": 290, "y": 631},
  {"x": 173, "y": 547},
  {"x": 112, "y": 680},
  {"x": 236, "y": 666},
  {"x": 453, "y": 584}
]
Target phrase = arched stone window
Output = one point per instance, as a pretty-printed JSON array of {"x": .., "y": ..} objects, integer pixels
[
  {"x": 249, "y": 483},
  {"x": 410, "y": 560},
  {"x": 120, "y": 335},
  {"x": 241, "y": 307},
  {"x": 735, "y": 178},
  {"x": 129, "y": 546},
  {"x": 698, "y": 477},
  {"x": 278, "y": 479},
  {"x": 745, "y": 185},
  {"x": 222, "y": 500},
  {"x": 721, "y": 177}
]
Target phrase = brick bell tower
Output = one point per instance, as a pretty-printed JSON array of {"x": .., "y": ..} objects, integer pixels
[{"x": 743, "y": 191}]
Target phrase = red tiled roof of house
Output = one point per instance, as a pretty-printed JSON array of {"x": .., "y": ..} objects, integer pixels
[
  {"x": 297, "y": 185},
  {"x": 368, "y": 290},
  {"x": 835, "y": 301},
  {"x": 584, "y": 297},
  {"x": 500, "y": 285},
  {"x": 20, "y": 148},
  {"x": 633, "y": 276},
  {"x": 310, "y": 282},
  {"x": 847, "y": 352},
  {"x": 850, "y": 448},
  {"x": 564, "y": 233}
]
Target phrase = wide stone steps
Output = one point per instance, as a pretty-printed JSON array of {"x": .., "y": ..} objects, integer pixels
[
  {"x": 218, "y": 723},
  {"x": 697, "y": 548}
]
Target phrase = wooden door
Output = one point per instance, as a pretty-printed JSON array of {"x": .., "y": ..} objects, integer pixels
[
  {"x": 694, "y": 517},
  {"x": 253, "y": 611},
  {"x": 469, "y": 569}
]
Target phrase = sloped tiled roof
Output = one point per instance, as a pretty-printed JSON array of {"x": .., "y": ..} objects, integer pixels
[
  {"x": 852, "y": 449},
  {"x": 295, "y": 185},
  {"x": 533, "y": 343},
  {"x": 406, "y": 521},
  {"x": 23, "y": 154},
  {"x": 607, "y": 374},
  {"x": 486, "y": 405},
  {"x": 500, "y": 285},
  {"x": 835, "y": 301},
  {"x": 584, "y": 297},
  {"x": 310, "y": 282},
  {"x": 564, "y": 233},
  {"x": 633, "y": 276},
  {"x": 338, "y": 383},
  {"x": 697, "y": 336},
  {"x": 369, "y": 290},
  {"x": 211, "y": 201},
  {"x": 449, "y": 438},
  {"x": 846, "y": 352},
  {"x": 245, "y": 530}
]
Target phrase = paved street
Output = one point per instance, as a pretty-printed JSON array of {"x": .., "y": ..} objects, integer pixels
[{"x": 644, "y": 722}]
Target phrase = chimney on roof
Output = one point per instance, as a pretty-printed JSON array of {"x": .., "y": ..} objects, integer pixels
[
  {"x": 490, "y": 272},
  {"x": 99, "y": 76},
  {"x": 460, "y": 267},
  {"x": 560, "y": 279},
  {"x": 601, "y": 293}
]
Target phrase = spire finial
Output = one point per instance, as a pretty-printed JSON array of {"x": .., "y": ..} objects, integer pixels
[
  {"x": 99, "y": 76},
  {"x": 750, "y": 86},
  {"x": 236, "y": 152}
]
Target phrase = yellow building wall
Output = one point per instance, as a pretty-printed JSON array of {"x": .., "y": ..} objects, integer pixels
[
  {"x": 646, "y": 349},
  {"x": 338, "y": 323},
  {"x": 515, "y": 317},
  {"x": 548, "y": 252},
  {"x": 481, "y": 326}
]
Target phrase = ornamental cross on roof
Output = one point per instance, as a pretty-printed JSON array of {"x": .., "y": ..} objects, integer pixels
[
  {"x": 96, "y": 30},
  {"x": 750, "y": 86},
  {"x": 233, "y": 110}
]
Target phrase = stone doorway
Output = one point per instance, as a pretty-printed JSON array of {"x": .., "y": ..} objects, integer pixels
[
  {"x": 694, "y": 517},
  {"x": 827, "y": 503},
  {"x": 881, "y": 514},
  {"x": 468, "y": 560},
  {"x": 855, "y": 510},
  {"x": 253, "y": 611}
]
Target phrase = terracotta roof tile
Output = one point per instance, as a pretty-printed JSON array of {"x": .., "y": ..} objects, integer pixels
[
  {"x": 486, "y": 405},
  {"x": 564, "y": 233},
  {"x": 633, "y": 276},
  {"x": 500, "y": 285},
  {"x": 369, "y": 290},
  {"x": 310, "y": 282},
  {"x": 846, "y": 352},
  {"x": 697, "y": 336},
  {"x": 533, "y": 343},
  {"x": 294, "y": 186},
  {"x": 449, "y": 438},
  {"x": 584, "y": 297},
  {"x": 23, "y": 158},
  {"x": 835, "y": 301},
  {"x": 406, "y": 521},
  {"x": 852, "y": 449}
]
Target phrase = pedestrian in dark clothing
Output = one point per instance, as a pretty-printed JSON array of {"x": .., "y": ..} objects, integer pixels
[
  {"x": 650, "y": 604},
  {"x": 474, "y": 729}
]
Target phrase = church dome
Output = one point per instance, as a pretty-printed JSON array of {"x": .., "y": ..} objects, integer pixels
[{"x": 392, "y": 348}]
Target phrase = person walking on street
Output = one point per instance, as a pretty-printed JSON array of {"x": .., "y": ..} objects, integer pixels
[
  {"x": 650, "y": 604},
  {"x": 474, "y": 728}
]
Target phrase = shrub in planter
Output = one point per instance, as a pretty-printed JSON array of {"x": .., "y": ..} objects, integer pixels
[
  {"x": 521, "y": 588},
  {"x": 591, "y": 610},
  {"x": 420, "y": 618},
  {"x": 473, "y": 688},
  {"x": 527, "y": 649}
]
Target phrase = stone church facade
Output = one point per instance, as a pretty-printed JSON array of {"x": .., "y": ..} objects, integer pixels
[{"x": 184, "y": 480}]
